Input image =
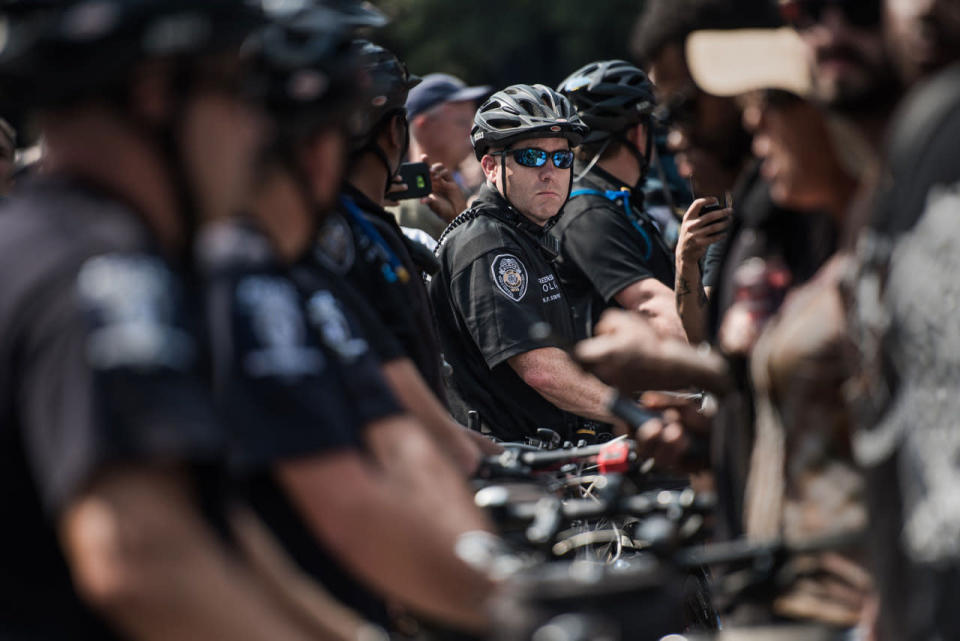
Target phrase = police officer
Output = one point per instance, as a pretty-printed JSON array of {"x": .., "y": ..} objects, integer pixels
[
  {"x": 112, "y": 524},
  {"x": 379, "y": 261},
  {"x": 612, "y": 253},
  {"x": 497, "y": 280},
  {"x": 341, "y": 476}
]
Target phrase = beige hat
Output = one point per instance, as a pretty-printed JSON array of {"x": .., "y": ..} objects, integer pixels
[{"x": 734, "y": 62}]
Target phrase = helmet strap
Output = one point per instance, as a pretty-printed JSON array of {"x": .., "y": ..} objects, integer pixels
[
  {"x": 372, "y": 146},
  {"x": 595, "y": 159},
  {"x": 643, "y": 157}
]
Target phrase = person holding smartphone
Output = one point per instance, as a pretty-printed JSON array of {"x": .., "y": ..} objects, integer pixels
[{"x": 611, "y": 251}]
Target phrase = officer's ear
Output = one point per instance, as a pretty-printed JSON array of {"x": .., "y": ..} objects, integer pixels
[
  {"x": 491, "y": 168},
  {"x": 398, "y": 131}
]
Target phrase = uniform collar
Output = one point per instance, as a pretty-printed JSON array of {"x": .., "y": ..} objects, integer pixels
[
  {"x": 603, "y": 180},
  {"x": 491, "y": 202},
  {"x": 367, "y": 205}
]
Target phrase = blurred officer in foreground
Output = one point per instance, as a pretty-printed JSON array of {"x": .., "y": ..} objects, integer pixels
[
  {"x": 108, "y": 440},
  {"x": 354, "y": 490},
  {"x": 379, "y": 261},
  {"x": 363, "y": 244}
]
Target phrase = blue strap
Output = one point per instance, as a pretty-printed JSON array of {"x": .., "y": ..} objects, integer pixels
[
  {"x": 393, "y": 270},
  {"x": 614, "y": 195}
]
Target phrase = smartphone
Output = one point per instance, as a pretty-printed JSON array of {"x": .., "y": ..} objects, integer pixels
[
  {"x": 416, "y": 175},
  {"x": 711, "y": 207}
]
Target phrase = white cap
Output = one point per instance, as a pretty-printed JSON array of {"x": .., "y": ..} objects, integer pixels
[{"x": 737, "y": 61}]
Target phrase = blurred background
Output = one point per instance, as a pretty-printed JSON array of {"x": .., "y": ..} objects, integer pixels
[{"x": 502, "y": 42}]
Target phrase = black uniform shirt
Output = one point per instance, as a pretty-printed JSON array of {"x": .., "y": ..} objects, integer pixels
[
  {"x": 496, "y": 282},
  {"x": 97, "y": 366},
  {"x": 317, "y": 270},
  {"x": 603, "y": 250},
  {"x": 400, "y": 302},
  {"x": 293, "y": 378}
]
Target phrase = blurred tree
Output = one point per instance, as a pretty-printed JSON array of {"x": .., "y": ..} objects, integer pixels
[{"x": 502, "y": 42}]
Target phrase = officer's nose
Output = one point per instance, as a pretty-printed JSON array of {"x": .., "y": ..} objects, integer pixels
[{"x": 549, "y": 173}]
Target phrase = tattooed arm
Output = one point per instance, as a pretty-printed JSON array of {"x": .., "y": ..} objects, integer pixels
[{"x": 697, "y": 233}]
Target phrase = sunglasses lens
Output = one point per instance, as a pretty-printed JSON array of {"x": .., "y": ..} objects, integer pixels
[
  {"x": 563, "y": 159},
  {"x": 803, "y": 14},
  {"x": 863, "y": 13},
  {"x": 530, "y": 157}
]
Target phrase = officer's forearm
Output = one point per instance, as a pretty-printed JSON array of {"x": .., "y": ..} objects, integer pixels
[
  {"x": 408, "y": 457},
  {"x": 141, "y": 555},
  {"x": 655, "y": 301},
  {"x": 387, "y": 539},
  {"x": 554, "y": 375},
  {"x": 417, "y": 398},
  {"x": 692, "y": 301}
]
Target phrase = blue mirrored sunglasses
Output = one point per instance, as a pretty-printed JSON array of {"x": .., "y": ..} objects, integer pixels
[{"x": 534, "y": 157}]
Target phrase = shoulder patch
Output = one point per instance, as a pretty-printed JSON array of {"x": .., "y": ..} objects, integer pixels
[
  {"x": 510, "y": 276},
  {"x": 280, "y": 339},
  {"x": 335, "y": 247},
  {"x": 327, "y": 316},
  {"x": 133, "y": 301}
]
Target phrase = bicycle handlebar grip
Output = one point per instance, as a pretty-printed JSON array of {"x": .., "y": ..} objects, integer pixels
[{"x": 631, "y": 413}]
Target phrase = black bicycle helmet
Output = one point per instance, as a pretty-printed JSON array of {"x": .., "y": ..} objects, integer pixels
[
  {"x": 58, "y": 50},
  {"x": 389, "y": 82},
  {"x": 309, "y": 68},
  {"x": 525, "y": 111},
  {"x": 610, "y": 96},
  {"x": 351, "y": 13}
]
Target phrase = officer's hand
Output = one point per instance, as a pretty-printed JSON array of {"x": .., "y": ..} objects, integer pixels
[
  {"x": 678, "y": 440},
  {"x": 446, "y": 201},
  {"x": 698, "y": 232},
  {"x": 396, "y": 187},
  {"x": 739, "y": 330},
  {"x": 625, "y": 352}
]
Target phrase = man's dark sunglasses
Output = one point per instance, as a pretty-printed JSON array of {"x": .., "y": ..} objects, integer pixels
[
  {"x": 534, "y": 157},
  {"x": 803, "y": 14}
]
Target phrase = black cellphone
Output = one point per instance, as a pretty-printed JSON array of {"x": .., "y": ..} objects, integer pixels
[
  {"x": 416, "y": 175},
  {"x": 711, "y": 207}
]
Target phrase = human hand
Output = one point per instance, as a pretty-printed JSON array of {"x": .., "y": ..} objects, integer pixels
[
  {"x": 447, "y": 200},
  {"x": 698, "y": 232},
  {"x": 397, "y": 186},
  {"x": 624, "y": 352},
  {"x": 739, "y": 330},
  {"x": 677, "y": 439}
]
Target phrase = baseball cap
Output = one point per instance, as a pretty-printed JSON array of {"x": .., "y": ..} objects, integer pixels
[
  {"x": 438, "y": 88},
  {"x": 737, "y": 61}
]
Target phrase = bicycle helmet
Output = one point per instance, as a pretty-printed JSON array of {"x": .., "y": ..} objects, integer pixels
[
  {"x": 610, "y": 96},
  {"x": 525, "y": 111},
  {"x": 351, "y": 13},
  {"x": 309, "y": 69},
  {"x": 389, "y": 83},
  {"x": 58, "y": 50}
]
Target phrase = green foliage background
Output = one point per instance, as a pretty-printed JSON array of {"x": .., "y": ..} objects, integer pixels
[{"x": 501, "y": 42}]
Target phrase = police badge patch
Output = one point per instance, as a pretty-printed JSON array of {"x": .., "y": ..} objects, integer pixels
[
  {"x": 510, "y": 276},
  {"x": 335, "y": 245}
]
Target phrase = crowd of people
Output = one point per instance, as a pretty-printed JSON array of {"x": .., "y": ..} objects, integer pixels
[{"x": 246, "y": 380}]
